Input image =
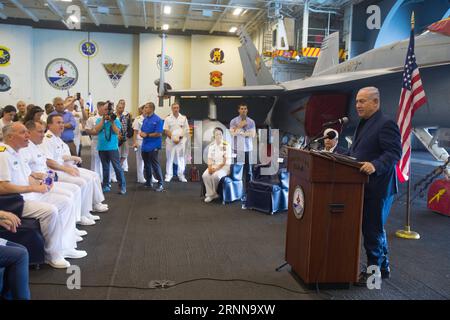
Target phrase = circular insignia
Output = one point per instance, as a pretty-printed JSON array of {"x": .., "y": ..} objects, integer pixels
[
  {"x": 298, "y": 202},
  {"x": 168, "y": 63},
  {"x": 216, "y": 56},
  {"x": 215, "y": 78},
  {"x": 5, "y": 83},
  {"x": 5, "y": 56},
  {"x": 61, "y": 74},
  {"x": 88, "y": 48}
]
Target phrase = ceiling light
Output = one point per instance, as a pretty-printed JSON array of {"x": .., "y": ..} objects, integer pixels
[
  {"x": 237, "y": 11},
  {"x": 74, "y": 18},
  {"x": 233, "y": 29},
  {"x": 167, "y": 9},
  {"x": 66, "y": 0},
  {"x": 165, "y": 26}
]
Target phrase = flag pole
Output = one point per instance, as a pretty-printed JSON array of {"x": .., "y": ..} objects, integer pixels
[{"x": 407, "y": 233}]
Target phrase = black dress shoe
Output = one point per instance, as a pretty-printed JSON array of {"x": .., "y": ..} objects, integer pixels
[
  {"x": 385, "y": 273},
  {"x": 362, "y": 280}
]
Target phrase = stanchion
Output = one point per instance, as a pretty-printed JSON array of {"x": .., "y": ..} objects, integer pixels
[{"x": 407, "y": 233}]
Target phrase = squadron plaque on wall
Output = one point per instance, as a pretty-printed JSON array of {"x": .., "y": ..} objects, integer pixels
[
  {"x": 5, "y": 83},
  {"x": 61, "y": 74},
  {"x": 88, "y": 49},
  {"x": 5, "y": 56}
]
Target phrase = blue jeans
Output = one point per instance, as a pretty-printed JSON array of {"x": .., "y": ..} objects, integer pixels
[
  {"x": 14, "y": 260},
  {"x": 375, "y": 214},
  {"x": 112, "y": 156},
  {"x": 152, "y": 166}
]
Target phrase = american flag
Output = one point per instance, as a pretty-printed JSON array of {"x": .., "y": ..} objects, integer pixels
[{"x": 412, "y": 98}]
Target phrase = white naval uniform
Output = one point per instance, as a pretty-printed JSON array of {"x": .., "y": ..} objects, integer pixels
[
  {"x": 178, "y": 127},
  {"x": 96, "y": 163},
  {"x": 216, "y": 155},
  {"x": 37, "y": 162},
  {"x": 49, "y": 208},
  {"x": 137, "y": 125},
  {"x": 88, "y": 181}
]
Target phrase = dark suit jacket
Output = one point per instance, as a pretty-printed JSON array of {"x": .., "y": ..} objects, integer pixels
[{"x": 379, "y": 142}]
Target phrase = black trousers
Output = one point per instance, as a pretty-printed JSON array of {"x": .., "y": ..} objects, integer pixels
[{"x": 152, "y": 166}]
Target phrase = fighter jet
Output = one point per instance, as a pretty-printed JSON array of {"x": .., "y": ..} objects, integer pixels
[{"x": 302, "y": 106}]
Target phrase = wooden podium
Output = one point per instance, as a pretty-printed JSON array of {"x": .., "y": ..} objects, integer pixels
[{"x": 326, "y": 194}]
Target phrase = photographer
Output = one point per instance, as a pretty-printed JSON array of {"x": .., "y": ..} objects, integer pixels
[
  {"x": 126, "y": 132},
  {"x": 107, "y": 128}
]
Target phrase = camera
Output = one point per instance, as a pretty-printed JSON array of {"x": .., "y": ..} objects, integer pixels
[
  {"x": 78, "y": 96},
  {"x": 110, "y": 111}
]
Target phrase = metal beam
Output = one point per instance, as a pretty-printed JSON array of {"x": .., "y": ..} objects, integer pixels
[
  {"x": 145, "y": 14},
  {"x": 84, "y": 4},
  {"x": 54, "y": 8},
  {"x": 187, "y": 18},
  {"x": 221, "y": 16},
  {"x": 122, "y": 12},
  {"x": 255, "y": 17},
  {"x": 25, "y": 10},
  {"x": 155, "y": 19},
  {"x": 202, "y": 4}
]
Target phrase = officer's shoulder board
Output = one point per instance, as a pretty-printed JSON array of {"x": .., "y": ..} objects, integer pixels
[
  {"x": 2, "y": 148},
  {"x": 49, "y": 135},
  {"x": 225, "y": 143}
]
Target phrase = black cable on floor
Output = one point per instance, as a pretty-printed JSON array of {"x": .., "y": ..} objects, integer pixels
[{"x": 171, "y": 285}]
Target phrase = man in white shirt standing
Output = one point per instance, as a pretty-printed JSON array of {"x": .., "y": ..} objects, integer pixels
[
  {"x": 52, "y": 210},
  {"x": 176, "y": 128}
]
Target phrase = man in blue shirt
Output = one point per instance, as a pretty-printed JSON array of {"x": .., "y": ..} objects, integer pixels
[
  {"x": 243, "y": 130},
  {"x": 151, "y": 133},
  {"x": 107, "y": 128},
  {"x": 69, "y": 122}
]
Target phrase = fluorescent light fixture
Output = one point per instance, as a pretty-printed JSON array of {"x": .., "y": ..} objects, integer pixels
[
  {"x": 74, "y": 18},
  {"x": 165, "y": 26},
  {"x": 66, "y": 0},
  {"x": 167, "y": 9},
  {"x": 233, "y": 29},
  {"x": 237, "y": 11}
]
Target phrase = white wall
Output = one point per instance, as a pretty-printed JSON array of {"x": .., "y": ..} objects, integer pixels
[
  {"x": 19, "y": 39},
  {"x": 201, "y": 46},
  {"x": 32, "y": 49},
  {"x": 178, "y": 48},
  {"x": 113, "y": 48}
]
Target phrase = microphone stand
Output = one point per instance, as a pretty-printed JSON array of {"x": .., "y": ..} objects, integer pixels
[{"x": 317, "y": 136}]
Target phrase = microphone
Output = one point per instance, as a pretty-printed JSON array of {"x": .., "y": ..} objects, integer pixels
[
  {"x": 330, "y": 135},
  {"x": 342, "y": 121}
]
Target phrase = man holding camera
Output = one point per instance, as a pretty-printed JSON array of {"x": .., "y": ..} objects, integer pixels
[
  {"x": 126, "y": 132},
  {"x": 107, "y": 128}
]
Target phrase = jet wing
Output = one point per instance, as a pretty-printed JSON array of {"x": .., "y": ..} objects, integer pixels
[
  {"x": 265, "y": 90},
  {"x": 331, "y": 82}
]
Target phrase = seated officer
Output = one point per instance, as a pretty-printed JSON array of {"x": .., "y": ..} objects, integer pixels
[
  {"x": 37, "y": 163},
  {"x": 52, "y": 210},
  {"x": 331, "y": 145},
  {"x": 58, "y": 158}
]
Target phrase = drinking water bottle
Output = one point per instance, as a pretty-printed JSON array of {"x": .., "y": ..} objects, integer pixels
[{"x": 49, "y": 178}]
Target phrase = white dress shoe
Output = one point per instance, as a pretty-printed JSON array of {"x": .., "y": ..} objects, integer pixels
[
  {"x": 208, "y": 199},
  {"x": 75, "y": 254},
  {"x": 59, "y": 263},
  {"x": 100, "y": 207},
  {"x": 167, "y": 179},
  {"x": 80, "y": 233},
  {"x": 78, "y": 239},
  {"x": 93, "y": 217},
  {"x": 85, "y": 221},
  {"x": 182, "y": 178},
  {"x": 154, "y": 180}
]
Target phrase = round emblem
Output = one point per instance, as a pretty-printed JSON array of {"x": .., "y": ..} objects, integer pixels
[
  {"x": 88, "y": 48},
  {"x": 5, "y": 56},
  {"x": 216, "y": 56},
  {"x": 61, "y": 74},
  {"x": 298, "y": 202},
  {"x": 168, "y": 63},
  {"x": 5, "y": 83}
]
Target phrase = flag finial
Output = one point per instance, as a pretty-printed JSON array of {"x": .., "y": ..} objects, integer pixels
[{"x": 413, "y": 22}]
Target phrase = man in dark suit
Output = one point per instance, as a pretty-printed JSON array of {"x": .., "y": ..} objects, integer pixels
[{"x": 377, "y": 145}]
